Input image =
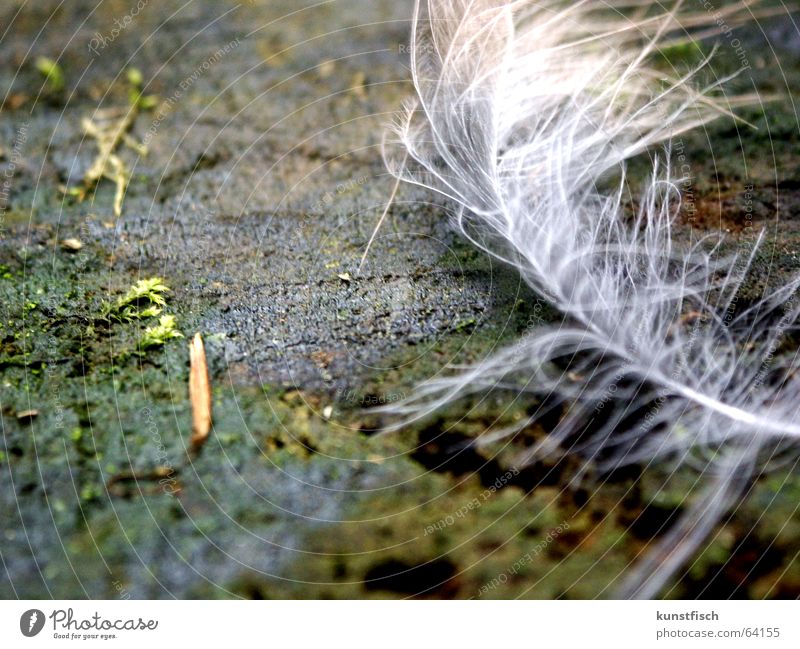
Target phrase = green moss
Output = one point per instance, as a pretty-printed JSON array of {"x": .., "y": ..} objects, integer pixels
[
  {"x": 681, "y": 54},
  {"x": 144, "y": 299},
  {"x": 135, "y": 95},
  {"x": 158, "y": 335},
  {"x": 52, "y": 73}
]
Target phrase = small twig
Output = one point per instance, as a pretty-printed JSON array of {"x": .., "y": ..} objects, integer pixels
[
  {"x": 199, "y": 393},
  {"x": 159, "y": 473},
  {"x": 122, "y": 484}
]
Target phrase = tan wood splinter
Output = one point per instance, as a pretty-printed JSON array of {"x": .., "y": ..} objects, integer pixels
[{"x": 199, "y": 392}]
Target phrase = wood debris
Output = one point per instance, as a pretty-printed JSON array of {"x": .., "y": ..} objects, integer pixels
[
  {"x": 199, "y": 393},
  {"x": 72, "y": 245},
  {"x": 125, "y": 485},
  {"x": 26, "y": 416},
  {"x": 358, "y": 85},
  {"x": 326, "y": 69}
]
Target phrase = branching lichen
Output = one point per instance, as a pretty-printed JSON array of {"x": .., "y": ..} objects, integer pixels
[{"x": 110, "y": 129}]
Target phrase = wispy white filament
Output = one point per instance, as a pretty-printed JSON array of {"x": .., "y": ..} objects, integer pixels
[{"x": 525, "y": 112}]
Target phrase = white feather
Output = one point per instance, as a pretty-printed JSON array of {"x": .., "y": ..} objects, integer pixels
[{"x": 525, "y": 110}]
